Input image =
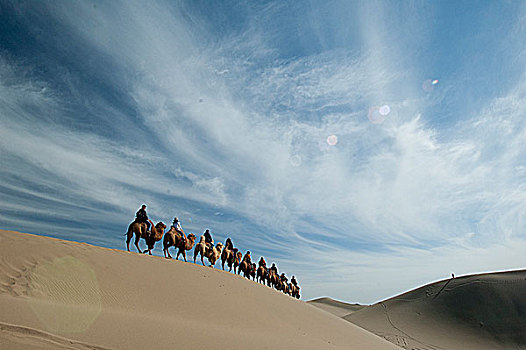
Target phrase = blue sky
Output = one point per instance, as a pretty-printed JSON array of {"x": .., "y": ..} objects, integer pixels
[{"x": 223, "y": 113}]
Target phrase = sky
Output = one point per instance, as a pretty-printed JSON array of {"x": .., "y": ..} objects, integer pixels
[{"x": 366, "y": 147}]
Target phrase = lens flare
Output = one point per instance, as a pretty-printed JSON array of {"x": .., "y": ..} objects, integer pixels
[
  {"x": 429, "y": 84},
  {"x": 375, "y": 116},
  {"x": 295, "y": 160},
  {"x": 64, "y": 295},
  {"x": 332, "y": 140},
  {"x": 384, "y": 110}
]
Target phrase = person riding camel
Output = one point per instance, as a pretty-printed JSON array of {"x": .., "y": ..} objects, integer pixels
[
  {"x": 177, "y": 226},
  {"x": 229, "y": 244},
  {"x": 262, "y": 262},
  {"x": 247, "y": 257},
  {"x": 274, "y": 269},
  {"x": 141, "y": 217},
  {"x": 293, "y": 281},
  {"x": 208, "y": 239},
  {"x": 283, "y": 278}
]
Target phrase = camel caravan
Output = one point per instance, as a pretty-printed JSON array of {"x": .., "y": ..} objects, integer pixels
[{"x": 143, "y": 228}]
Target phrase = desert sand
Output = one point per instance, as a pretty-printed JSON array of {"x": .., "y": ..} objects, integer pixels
[
  {"x": 486, "y": 311},
  {"x": 56, "y": 294},
  {"x": 336, "y": 307}
]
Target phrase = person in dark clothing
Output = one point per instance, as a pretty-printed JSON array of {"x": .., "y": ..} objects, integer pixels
[
  {"x": 229, "y": 244},
  {"x": 262, "y": 262},
  {"x": 274, "y": 269},
  {"x": 141, "y": 216},
  {"x": 208, "y": 238},
  {"x": 293, "y": 281}
]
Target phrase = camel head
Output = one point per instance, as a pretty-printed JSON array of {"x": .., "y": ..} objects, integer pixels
[
  {"x": 190, "y": 240},
  {"x": 219, "y": 246},
  {"x": 160, "y": 226},
  {"x": 158, "y": 233}
]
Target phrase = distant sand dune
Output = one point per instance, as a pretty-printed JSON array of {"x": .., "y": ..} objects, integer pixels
[
  {"x": 57, "y": 294},
  {"x": 485, "y": 311},
  {"x": 335, "y": 307}
]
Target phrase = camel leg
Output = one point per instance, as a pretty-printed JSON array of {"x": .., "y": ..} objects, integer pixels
[
  {"x": 167, "y": 252},
  {"x": 184, "y": 255},
  {"x": 137, "y": 238},
  {"x": 195, "y": 254},
  {"x": 202, "y": 262},
  {"x": 128, "y": 239},
  {"x": 150, "y": 246}
]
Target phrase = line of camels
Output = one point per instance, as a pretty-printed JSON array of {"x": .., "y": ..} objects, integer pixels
[{"x": 233, "y": 257}]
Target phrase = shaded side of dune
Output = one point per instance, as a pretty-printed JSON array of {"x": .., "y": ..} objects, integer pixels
[{"x": 485, "y": 311}]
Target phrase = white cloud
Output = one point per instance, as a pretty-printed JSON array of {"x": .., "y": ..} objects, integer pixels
[{"x": 227, "y": 126}]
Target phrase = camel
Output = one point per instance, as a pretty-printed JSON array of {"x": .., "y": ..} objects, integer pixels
[
  {"x": 245, "y": 265},
  {"x": 282, "y": 284},
  {"x": 294, "y": 291},
  {"x": 286, "y": 288},
  {"x": 228, "y": 255},
  {"x": 139, "y": 229},
  {"x": 261, "y": 274},
  {"x": 253, "y": 271},
  {"x": 212, "y": 254},
  {"x": 174, "y": 238},
  {"x": 155, "y": 235},
  {"x": 272, "y": 279}
]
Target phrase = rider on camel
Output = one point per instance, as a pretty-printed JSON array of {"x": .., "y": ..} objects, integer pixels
[
  {"x": 283, "y": 278},
  {"x": 141, "y": 217},
  {"x": 293, "y": 281},
  {"x": 177, "y": 227},
  {"x": 208, "y": 239},
  {"x": 274, "y": 269}
]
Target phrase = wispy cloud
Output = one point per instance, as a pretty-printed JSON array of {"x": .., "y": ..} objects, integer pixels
[{"x": 151, "y": 102}]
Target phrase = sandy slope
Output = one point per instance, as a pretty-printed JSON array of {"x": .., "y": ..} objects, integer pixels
[
  {"x": 335, "y": 307},
  {"x": 63, "y": 295},
  {"x": 473, "y": 312}
]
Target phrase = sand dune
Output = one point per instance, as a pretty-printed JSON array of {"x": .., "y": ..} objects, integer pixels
[
  {"x": 335, "y": 307},
  {"x": 485, "y": 311},
  {"x": 57, "y": 294}
]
